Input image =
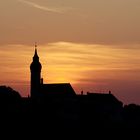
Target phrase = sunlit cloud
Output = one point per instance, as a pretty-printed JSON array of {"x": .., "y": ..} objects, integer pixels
[{"x": 44, "y": 8}]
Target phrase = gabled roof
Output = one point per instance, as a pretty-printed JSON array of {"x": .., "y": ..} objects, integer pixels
[
  {"x": 103, "y": 97},
  {"x": 100, "y": 99},
  {"x": 57, "y": 89}
]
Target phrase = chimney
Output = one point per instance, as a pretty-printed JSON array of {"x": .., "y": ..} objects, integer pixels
[{"x": 41, "y": 81}]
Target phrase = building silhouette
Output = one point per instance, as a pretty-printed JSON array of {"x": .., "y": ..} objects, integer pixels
[
  {"x": 35, "y": 68},
  {"x": 61, "y": 96},
  {"x": 39, "y": 89},
  {"x": 57, "y": 105}
]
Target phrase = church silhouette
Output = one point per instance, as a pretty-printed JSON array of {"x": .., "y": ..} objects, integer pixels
[
  {"x": 39, "y": 89},
  {"x": 74, "y": 107}
]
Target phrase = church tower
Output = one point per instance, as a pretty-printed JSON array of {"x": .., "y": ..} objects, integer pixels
[{"x": 35, "y": 69}]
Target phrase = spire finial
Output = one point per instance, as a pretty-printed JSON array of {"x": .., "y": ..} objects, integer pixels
[
  {"x": 35, "y": 45},
  {"x": 36, "y": 55}
]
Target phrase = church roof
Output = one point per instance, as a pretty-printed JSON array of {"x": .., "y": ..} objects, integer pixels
[{"x": 58, "y": 89}]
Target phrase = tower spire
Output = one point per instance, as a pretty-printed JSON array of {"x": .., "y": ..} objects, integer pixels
[
  {"x": 36, "y": 49},
  {"x": 35, "y": 69},
  {"x": 35, "y": 55}
]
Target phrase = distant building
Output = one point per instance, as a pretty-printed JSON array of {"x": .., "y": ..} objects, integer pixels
[
  {"x": 38, "y": 88},
  {"x": 101, "y": 106}
]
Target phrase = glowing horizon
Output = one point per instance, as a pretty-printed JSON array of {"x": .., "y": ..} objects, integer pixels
[
  {"x": 93, "y": 44},
  {"x": 88, "y": 67}
]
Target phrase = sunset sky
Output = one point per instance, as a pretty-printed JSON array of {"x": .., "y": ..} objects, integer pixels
[{"x": 93, "y": 44}]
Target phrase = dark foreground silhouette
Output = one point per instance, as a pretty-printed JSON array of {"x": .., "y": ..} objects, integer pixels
[{"x": 77, "y": 112}]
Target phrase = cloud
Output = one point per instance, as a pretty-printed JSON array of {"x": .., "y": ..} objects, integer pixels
[{"x": 44, "y": 8}]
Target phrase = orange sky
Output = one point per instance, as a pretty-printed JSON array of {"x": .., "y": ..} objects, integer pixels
[
  {"x": 94, "y": 68},
  {"x": 93, "y": 44}
]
